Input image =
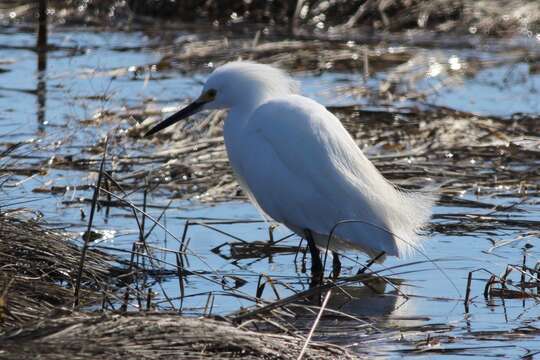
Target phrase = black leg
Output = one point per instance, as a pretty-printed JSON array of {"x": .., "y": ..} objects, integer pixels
[
  {"x": 336, "y": 265},
  {"x": 316, "y": 264}
]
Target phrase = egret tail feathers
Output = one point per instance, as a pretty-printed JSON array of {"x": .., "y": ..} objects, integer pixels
[{"x": 408, "y": 216}]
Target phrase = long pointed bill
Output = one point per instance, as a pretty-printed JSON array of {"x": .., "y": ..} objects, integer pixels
[{"x": 189, "y": 110}]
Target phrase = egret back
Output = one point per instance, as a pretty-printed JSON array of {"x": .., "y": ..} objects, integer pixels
[{"x": 304, "y": 170}]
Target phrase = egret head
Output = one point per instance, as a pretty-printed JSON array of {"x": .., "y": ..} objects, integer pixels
[{"x": 239, "y": 84}]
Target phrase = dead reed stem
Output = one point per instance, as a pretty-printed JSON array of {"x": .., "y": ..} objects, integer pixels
[{"x": 86, "y": 236}]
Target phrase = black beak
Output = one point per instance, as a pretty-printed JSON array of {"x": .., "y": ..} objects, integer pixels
[{"x": 182, "y": 114}]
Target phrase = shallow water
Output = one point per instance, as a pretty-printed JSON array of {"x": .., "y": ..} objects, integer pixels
[{"x": 90, "y": 72}]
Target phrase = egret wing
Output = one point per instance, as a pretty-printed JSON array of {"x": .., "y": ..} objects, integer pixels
[{"x": 305, "y": 170}]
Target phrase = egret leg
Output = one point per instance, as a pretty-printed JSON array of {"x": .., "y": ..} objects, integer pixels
[
  {"x": 316, "y": 264},
  {"x": 336, "y": 265}
]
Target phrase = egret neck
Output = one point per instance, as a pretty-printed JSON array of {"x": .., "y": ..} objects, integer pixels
[{"x": 234, "y": 128}]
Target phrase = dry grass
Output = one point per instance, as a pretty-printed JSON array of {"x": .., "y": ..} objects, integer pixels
[
  {"x": 38, "y": 268},
  {"x": 153, "y": 336}
]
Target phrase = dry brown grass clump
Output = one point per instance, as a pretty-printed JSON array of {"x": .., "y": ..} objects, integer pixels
[
  {"x": 38, "y": 268},
  {"x": 154, "y": 336}
]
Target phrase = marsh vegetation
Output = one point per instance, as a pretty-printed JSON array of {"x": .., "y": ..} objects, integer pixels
[{"x": 445, "y": 97}]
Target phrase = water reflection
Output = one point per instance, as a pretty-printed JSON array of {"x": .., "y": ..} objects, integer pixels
[{"x": 363, "y": 301}]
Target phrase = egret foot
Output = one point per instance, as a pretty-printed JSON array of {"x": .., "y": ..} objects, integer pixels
[
  {"x": 336, "y": 265},
  {"x": 316, "y": 263}
]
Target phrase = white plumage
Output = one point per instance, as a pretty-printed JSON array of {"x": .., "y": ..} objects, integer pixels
[{"x": 303, "y": 169}]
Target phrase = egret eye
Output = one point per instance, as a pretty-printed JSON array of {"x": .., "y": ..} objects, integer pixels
[{"x": 211, "y": 94}]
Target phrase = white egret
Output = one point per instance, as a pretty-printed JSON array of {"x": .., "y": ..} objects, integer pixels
[{"x": 299, "y": 165}]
